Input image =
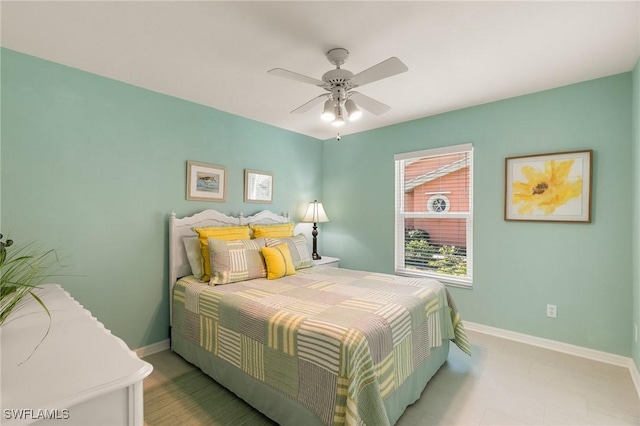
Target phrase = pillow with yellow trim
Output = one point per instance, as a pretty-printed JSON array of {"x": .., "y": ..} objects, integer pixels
[
  {"x": 298, "y": 247},
  {"x": 238, "y": 260},
  {"x": 272, "y": 231},
  {"x": 279, "y": 263},
  {"x": 225, "y": 233}
]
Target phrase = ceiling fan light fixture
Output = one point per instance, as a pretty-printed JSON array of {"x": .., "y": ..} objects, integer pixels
[
  {"x": 327, "y": 112},
  {"x": 339, "y": 121},
  {"x": 353, "y": 112},
  {"x": 339, "y": 82}
]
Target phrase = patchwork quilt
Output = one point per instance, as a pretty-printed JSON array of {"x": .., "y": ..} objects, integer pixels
[{"x": 337, "y": 341}]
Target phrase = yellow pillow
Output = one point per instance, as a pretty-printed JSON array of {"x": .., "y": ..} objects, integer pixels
[
  {"x": 272, "y": 231},
  {"x": 279, "y": 261},
  {"x": 226, "y": 233}
]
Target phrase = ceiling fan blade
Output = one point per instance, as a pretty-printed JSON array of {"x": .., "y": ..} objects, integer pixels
[
  {"x": 384, "y": 69},
  {"x": 371, "y": 105},
  {"x": 295, "y": 76},
  {"x": 313, "y": 102}
]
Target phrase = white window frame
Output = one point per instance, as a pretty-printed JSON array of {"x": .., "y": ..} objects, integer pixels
[{"x": 400, "y": 216}]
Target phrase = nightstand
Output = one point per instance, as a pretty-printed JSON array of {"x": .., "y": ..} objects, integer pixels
[{"x": 332, "y": 262}]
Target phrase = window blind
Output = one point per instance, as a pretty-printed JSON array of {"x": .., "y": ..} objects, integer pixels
[{"x": 434, "y": 213}]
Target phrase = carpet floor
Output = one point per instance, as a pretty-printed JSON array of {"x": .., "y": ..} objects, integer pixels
[{"x": 192, "y": 398}]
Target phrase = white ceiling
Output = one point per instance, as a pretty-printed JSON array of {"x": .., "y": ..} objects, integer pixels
[{"x": 459, "y": 54}]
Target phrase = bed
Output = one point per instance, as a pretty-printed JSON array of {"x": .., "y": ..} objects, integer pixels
[{"x": 322, "y": 346}]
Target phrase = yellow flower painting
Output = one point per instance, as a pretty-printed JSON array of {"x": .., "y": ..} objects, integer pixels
[
  {"x": 550, "y": 186},
  {"x": 547, "y": 189}
]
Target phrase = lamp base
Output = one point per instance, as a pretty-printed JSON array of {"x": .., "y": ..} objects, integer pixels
[{"x": 314, "y": 234}]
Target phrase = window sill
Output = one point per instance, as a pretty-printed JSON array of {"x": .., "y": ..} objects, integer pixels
[{"x": 448, "y": 281}]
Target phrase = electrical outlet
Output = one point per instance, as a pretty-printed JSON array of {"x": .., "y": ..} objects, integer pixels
[{"x": 552, "y": 311}]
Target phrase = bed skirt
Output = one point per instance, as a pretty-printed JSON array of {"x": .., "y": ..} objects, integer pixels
[{"x": 286, "y": 411}]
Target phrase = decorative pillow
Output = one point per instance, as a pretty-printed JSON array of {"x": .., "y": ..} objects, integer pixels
[
  {"x": 226, "y": 233},
  {"x": 194, "y": 255},
  {"x": 238, "y": 260},
  {"x": 272, "y": 231},
  {"x": 279, "y": 261},
  {"x": 298, "y": 247}
]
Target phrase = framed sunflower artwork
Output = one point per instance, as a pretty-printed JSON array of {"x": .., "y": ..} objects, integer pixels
[{"x": 549, "y": 187}]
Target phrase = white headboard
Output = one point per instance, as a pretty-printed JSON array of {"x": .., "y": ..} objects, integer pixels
[{"x": 179, "y": 228}]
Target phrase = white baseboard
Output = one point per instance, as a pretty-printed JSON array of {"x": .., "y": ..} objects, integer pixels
[
  {"x": 153, "y": 348},
  {"x": 635, "y": 376},
  {"x": 553, "y": 345}
]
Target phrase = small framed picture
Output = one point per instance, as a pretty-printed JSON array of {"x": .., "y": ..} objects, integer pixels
[
  {"x": 258, "y": 187},
  {"x": 206, "y": 182},
  {"x": 549, "y": 187}
]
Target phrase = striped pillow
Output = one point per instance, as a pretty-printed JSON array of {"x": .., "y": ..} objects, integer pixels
[
  {"x": 298, "y": 247},
  {"x": 226, "y": 233},
  {"x": 233, "y": 261}
]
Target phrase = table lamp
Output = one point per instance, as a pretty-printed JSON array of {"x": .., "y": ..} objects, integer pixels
[{"x": 315, "y": 214}]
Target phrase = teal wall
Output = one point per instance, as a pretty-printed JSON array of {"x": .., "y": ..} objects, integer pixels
[
  {"x": 635, "y": 252},
  {"x": 92, "y": 167},
  {"x": 519, "y": 267}
]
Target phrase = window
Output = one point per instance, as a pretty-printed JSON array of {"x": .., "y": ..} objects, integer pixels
[
  {"x": 434, "y": 214},
  {"x": 438, "y": 203}
]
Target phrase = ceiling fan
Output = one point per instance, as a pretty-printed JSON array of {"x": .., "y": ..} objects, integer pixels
[{"x": 339, "y": 84}]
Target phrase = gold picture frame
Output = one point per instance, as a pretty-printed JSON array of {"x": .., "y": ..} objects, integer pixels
[
  {"x": 206, "y": 182},
  {"x": 549, "y": 187},
  {"x": 258, "y": 187}
]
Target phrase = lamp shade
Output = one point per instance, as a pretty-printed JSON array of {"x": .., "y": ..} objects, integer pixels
[
  {"x": 327, "y": 113},
  {"x": 315, "y": 213},
  {"x": 353, "y": 112}
]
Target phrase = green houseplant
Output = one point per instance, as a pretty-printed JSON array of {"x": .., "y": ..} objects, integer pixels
[{"x": 22, "y": 268}]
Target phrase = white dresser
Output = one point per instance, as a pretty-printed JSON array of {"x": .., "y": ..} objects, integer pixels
[{"x": 80, "y": 374}]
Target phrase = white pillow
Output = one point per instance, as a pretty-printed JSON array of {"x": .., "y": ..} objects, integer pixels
[{"x": 194, "y": 255}]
